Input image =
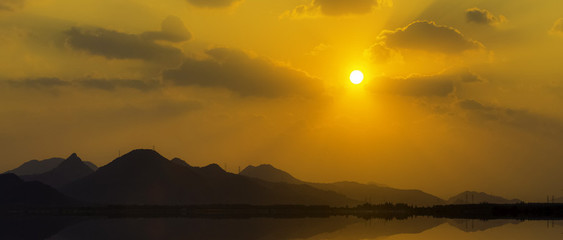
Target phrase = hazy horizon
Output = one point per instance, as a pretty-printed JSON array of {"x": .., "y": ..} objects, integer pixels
[{"x": 457, "y": 95}]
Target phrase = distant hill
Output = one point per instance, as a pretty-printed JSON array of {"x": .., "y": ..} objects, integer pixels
[
  {"x": 361, "y": 192},
  {"x": 145, "y": 177},
  {"x": 469, "y": 197},
  {"x": 71, "y": 169},
  {"x": 376, "y": 194},
  {"x": 15, "y": 192},
  {"x": 35, "y": 167},
  {"x": 269, "y": 173}
]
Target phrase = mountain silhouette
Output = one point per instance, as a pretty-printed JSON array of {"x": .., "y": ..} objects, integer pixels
[
  {"x": 269, "y": 173},
  {"x": 145, "y": 177},
  {"x": 91, "y": 165},
  {"x": 71, "y": 169},
  {"x": 15, "y": 192},
  {"x": 179, "y": 162},
  {"x": 36, "y": 166},
  {"x": 372, "y": 193},
  {"x": 469, "y": 197}
]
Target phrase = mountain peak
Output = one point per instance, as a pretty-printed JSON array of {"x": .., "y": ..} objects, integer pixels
[
  {"x": 70, "y": 169},
  {"x": 142, "y": 153},
  {"x": 141, "y": 157},
  {"x": 214, "y": 167},
  {"x": 72, "y": 158},
  {"x": 180, "y": 162}
]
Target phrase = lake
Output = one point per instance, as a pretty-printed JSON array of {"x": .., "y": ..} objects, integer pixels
[{"x": 350, "y": 228}]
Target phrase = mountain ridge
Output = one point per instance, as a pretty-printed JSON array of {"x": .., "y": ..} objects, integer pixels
[
  {"x": 143, "y": 176},
  {"x": 372, "y": 193}
]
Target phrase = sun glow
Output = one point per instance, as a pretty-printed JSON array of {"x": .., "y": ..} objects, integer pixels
[{"x": 356, "y": 77}]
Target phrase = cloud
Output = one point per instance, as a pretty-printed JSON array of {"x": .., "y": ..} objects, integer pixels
[
  {"x": 213, "y": 3},
  {"x": 472, "y": 105},
  {"x": 172, "y": 30},
  {"x": 117, "y": 45},
  {"x": 113, "y": 84},
  {"x": 246, "y": 75},
  {"x": 38, "y": 83},
  {"x": 332, "y": 8},
  {"x": 417, "y": 86},
  {"x": 470, "y": 77},
  {"x": 557, "y": 27},
  {"x": 483, "y": 16},
  {"x": 438, "y": 85},
  {"x": 379, "y": 53},
  {"x": 521, "y": 119},
  {"x": 428, "y": 36},
  {"x": 11, "y": 5},
  {"x": 88, "y": 83}
]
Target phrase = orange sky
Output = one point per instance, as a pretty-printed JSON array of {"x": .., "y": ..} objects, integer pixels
[{"x": 458, "y": 95}]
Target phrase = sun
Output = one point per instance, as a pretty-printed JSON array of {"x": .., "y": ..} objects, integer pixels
[{"x": 356, "y": 77}]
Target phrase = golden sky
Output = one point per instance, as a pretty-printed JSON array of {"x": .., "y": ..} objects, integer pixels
[{"x": 458, "y": 95}]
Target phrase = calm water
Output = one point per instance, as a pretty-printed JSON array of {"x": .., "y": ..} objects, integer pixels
[{"x": 276, "y": 229}]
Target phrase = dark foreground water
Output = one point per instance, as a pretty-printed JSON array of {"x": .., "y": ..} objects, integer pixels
[{"x": 349, "y": 228}]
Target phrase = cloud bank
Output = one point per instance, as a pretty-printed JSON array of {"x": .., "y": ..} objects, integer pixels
[
  {"x": 428, "y": 36},
  {"x": 241, "y": 73},
  {"x": 117, "y": 45}
]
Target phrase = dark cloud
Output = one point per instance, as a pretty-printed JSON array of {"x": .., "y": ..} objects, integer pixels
[
  {"x": 428, "y": 36},
  {"x": 333, "y": 8},
  {"x": 520, "y": 119},
  {"x": 113, "y": 84},
  {"x": 88, "y": 83},
  {"x": 439, "y": 85},
  {"x": 248, "y": 76},
  {"x": 483, "y": 16},
  {"x": 117, "y": 45},
  {"x": 38, "y": 83},
  {"x": 557, "y": 27},
  {"x": 472, "y": 105},
  {"x": 417, "y": 86},
  {"x": 213, "y": 3},
  {"x": 172, "y": 30},
  {"x": 11, "y": 5}
]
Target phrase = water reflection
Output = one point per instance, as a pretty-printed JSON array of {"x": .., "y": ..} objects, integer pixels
[{"x": 275, "y": 229}]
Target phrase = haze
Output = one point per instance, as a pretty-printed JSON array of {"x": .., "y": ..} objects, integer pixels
[{"x": 458, "y": 95}]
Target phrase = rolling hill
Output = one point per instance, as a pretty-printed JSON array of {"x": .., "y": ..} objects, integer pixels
[{"x": 372, "y": 193}]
